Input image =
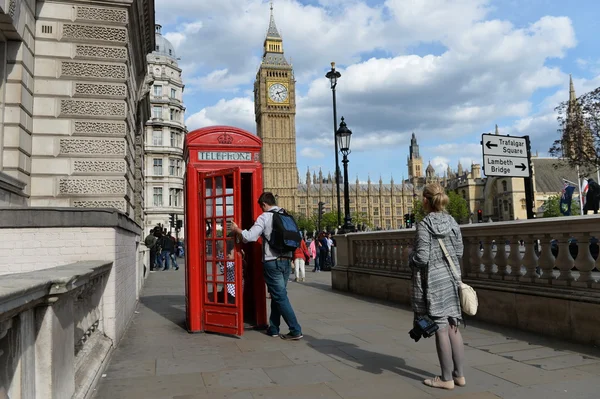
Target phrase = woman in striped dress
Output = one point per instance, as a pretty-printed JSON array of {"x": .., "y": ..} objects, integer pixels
[{"x": 435, "y": 286}]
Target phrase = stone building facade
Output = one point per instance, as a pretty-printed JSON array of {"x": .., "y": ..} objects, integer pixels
[
  {"x": 165, "y": 134},
  {"x": 75, "y": 103}
]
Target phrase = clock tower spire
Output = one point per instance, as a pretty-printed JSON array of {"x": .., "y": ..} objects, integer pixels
[{"x": 275, "y": 115}]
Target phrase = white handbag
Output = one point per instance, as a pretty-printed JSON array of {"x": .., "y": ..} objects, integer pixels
[{"x": 468, "y": 296}]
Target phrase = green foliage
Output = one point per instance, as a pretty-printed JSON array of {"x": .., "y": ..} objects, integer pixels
[
  {"x": 361, "y": 218},
  {"x": 552, "y": 207},
  {"x": 329, "y": 221},
  {"x": 304, "y": 223},
  {"x": 418, "y": 210},
  {"x": 457, "y": 208}
]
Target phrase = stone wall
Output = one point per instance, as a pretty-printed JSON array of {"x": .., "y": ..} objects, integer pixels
[
  {"x": 95, "y": 235},
  {"x": 537, "y": 275}
]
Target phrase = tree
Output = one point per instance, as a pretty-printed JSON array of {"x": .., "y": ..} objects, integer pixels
[
  {"x": 305, "y": 223},
  {"x": 457, "y": 208},
  {"x": 579, "y": 130},
  {"x": 552, "y": 207},
  {"x": 329, "y": 221},
  {"x": 361, "y": 218}
]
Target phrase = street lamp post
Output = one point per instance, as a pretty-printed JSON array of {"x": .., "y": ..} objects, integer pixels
[
  {"x": 343, "y": 135},
  {"x": 333, "y": 76}
]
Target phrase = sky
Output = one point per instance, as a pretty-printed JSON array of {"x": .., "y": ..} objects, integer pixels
[{"x": 447, "y": 70}]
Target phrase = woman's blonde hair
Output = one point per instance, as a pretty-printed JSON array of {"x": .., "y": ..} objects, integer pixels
[{"x": 436, "y": 196}]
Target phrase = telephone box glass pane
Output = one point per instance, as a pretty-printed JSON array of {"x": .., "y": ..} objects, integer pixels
[
  {"x": 209, "y": 249},
  {"x": 219, "y": 185},
  {"x": 221, "y": 293},
  {"x": 210, "y": 292},
  {"x": 209, "y": 229},
  {"x": 220, "y": 250},
  {"x": 228, "y": 185},
  {"x": 209, "y": 271},
  {"x": 228, "y": 222},
  {"x": 209, "y": 208},
  {"x": 208, "y": 182},
  {"x": 219, "y": 228},
  {"x": 219, "y": 206},
  {"x": 229, "y": 206}
]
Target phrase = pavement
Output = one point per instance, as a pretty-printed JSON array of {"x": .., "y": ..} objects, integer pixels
[{"x": 353, "y": 347}]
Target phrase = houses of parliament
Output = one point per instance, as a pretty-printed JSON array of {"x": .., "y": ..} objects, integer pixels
[{"x": 380, "y": 204}]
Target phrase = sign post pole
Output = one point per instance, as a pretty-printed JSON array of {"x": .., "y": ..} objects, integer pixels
[{"x": 529, "y": 201}]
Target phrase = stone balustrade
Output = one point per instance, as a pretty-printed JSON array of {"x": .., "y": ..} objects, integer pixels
[
  {"x": 52, "y": 340},
  {"x": 539, "y": 275}
]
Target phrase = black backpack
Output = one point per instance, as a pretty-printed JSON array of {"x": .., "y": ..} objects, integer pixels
[{"x": 285, "y": 236}]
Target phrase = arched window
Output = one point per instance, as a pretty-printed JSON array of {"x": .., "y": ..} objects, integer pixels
[{"x": 504, "y": 186}]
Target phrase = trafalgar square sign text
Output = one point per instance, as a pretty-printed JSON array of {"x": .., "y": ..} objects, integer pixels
[{"x": 505, "y": 156}]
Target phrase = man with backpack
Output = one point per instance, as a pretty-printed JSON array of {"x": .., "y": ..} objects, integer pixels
[{"x": 280, "y": 239}]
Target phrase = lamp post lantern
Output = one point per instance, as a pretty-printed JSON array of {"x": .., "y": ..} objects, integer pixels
[
  {"x": 343, "y": 135},
  {"x": 333, "y": 77}
]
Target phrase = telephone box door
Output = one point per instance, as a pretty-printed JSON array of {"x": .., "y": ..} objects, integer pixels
[{"x": 221, "y": 263}]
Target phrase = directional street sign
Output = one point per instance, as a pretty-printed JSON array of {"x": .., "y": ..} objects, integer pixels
[
  {"x": 505, "y": 156},
  {"x": 505, "y": 166}
]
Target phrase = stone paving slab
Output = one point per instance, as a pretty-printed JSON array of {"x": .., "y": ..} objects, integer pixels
[{"x": 353, "y": 348}]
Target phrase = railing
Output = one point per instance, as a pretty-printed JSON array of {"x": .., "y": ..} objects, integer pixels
[
  {"x": 559, "y": 252},
  {"x": 536, "y": 275},
  {"x": 52, "y": 343}
]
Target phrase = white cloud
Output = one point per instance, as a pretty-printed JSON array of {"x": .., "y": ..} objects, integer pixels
[
  {"x": 237, "y": 112},
  {"x": 313, "y": 153},
  {"x": 483, "y": 70}
]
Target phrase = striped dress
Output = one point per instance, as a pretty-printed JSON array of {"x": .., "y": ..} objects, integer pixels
[{"x": 432, "y": 271}]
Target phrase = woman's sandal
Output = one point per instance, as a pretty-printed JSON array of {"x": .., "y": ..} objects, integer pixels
[
  {"x": 460, "y": 381},
  {"x": 437, "y": 382}
]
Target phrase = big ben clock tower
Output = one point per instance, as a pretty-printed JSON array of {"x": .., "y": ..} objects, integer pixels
[{"x": 275, "y": 113}]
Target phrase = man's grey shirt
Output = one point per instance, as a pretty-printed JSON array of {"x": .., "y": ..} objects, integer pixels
[{"x": 264, "y": 226}]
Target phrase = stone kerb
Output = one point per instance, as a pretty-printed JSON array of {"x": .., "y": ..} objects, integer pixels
[{"x": 52, "y": 341}]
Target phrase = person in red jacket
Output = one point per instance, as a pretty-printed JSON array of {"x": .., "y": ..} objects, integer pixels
[{"x": 301, "y": 257}]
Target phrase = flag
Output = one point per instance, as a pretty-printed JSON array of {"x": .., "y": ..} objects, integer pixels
[
  {"x": 583, "y": 192},
  {"x": 566, "y": 199}
]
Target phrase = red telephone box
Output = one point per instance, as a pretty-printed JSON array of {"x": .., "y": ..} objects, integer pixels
[{"x": 224, "y": 287}]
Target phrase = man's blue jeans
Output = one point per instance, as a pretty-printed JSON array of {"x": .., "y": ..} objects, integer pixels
[
  {"x": 277, "y": 273},
  {"x": 165, "y": 256}
]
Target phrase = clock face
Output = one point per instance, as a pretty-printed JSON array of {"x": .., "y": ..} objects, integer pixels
[{"x": 278, "y": 92}]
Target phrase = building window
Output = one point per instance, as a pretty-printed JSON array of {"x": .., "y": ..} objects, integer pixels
[
  {"x": 504, "y": 186},
  {"x": 158, "y": 198},
  {"x": 173, "y": 93},
  {"x": 158, "y": 167},
  {"x": 179, "y": 168},
  {"x": 315, "y": 201},
  {"x": 157, "y": 90},
  {"x": 364, "y": 209},
  {"x": 157, "y": 137},
  {"x": 173, "y": 139},
  {"x": 302, "y": 201},
  {"x": 376, "y": 200},
  {"x": 175, "y": 196},
  {"x": 387, "y": 200},
  {"x": 172, "y": 167},
  {"x": 388, "y": 224},
  {"x": 398, "y": 211},
  {"x": 157, "y": 112},
  {"x": 388, "y": 211},
  {"x": 363, "y": 200},
  {"x": 506, "y": 206},
  {"x": 375, "y": 211}
]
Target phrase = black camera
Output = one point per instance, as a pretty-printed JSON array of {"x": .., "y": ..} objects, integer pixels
[{"x": 424, "y": 328}]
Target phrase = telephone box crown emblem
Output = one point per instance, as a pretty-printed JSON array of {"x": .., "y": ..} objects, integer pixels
[{"x": 225, "y": 139}]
